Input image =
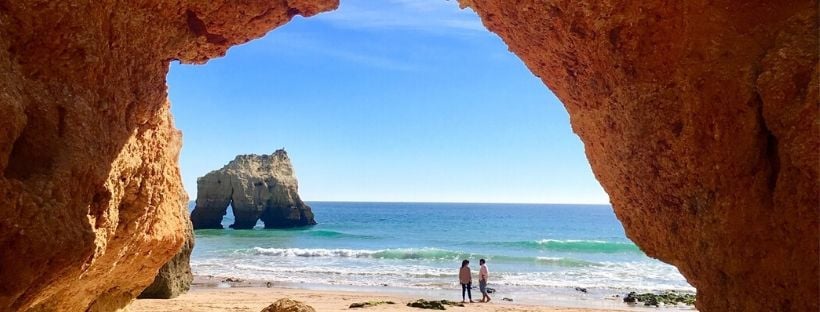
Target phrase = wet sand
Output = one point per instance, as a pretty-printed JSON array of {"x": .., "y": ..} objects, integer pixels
[{"x": 254, "y": 299}]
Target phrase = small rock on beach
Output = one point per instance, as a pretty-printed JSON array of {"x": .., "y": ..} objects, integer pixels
[{"x": 288, "y": 305}]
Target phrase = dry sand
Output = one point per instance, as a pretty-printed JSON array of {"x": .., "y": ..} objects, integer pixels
[{"x": 254, "y": 299}]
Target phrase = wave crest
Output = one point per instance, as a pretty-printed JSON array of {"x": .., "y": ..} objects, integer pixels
[
  {"x": 400, "y": 254},
  {"x": 571, "y": 245},
  {"x": 565, "y": 262},
  {"x": 433, "y": 254}
]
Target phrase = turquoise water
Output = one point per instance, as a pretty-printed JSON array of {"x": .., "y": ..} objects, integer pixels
[{"x": 530, "y": 248}]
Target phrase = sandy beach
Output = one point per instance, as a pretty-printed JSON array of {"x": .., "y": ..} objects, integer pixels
[{"x": 254, "y": 299}]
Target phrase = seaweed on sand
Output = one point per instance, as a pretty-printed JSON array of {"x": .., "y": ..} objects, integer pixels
[
  {"x": 434, "y": 304},
  {"x": 667, "y": 298}
]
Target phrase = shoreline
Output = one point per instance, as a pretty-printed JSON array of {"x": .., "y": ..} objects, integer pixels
[
  {"x": 254, "y": 299},
  {"x": 211, "y": 294}
]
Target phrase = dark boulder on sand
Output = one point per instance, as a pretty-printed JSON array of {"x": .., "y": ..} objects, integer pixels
[
  {"x": 433, "y": 304},
  {"x": 174, "y": 277},
  {"x": 288, "y": 305},
  {"x": 581, "y": 289},
  {"x": 368, "y": 304},
  {"x": 667, "y": 298}
]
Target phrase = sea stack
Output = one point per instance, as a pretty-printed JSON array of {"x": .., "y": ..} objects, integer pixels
[{"x": 257, "y": 187}]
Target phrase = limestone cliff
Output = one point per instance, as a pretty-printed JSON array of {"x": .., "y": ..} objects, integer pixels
[
  {"x": 89, "y": 184},
  {"x": 256, "y": 187},
  {"x": 700, "y": 119}
]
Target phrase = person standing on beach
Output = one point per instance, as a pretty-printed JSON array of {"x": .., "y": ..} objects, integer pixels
[
  {"x": 483, "y": 274},
  {"x": 466, "y": 280}
]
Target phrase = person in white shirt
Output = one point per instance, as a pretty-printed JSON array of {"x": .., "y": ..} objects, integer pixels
[{"x": 483, "y": 274}]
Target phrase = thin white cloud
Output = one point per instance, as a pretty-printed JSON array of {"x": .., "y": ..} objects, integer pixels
[
  {"x": 371, "y": 60},
  {"x": 435, "y": 16},
  {"x": 429, "y": 17},
  {"x": 301, "y": 44}
]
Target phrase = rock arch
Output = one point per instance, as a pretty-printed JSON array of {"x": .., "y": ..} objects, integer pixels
[
  {"x": 698, "y": 117},
  {"x": 256, "y": 187}
]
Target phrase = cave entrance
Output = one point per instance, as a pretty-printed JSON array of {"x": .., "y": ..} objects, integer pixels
[{"x": 383, "y": 112}]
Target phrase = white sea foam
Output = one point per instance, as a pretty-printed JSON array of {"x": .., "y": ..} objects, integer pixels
[
  {"x": 549, "y": 240},
  {"x": 566, "y": 262},
  {"x": 622, "y": 275},
  {"x": 649, "y": 276},
  {"x": 397, "y": 253},
  {"x": 418, "y": 267},
  {"x": 318, "y": 252}
]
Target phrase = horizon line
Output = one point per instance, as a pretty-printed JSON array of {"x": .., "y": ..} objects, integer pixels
[
  {"x": 454, "y": 202},
  {"x": 447, "y": 202}
]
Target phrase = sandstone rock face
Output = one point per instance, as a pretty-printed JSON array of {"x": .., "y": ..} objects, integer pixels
[
  {"x": 288, "y": 305},
  {"x": 175, "y": 277},
  {"x": 89, "y": 184},
  {"x": 700, "y": 119},
  {"x": 257, "y": 187}
]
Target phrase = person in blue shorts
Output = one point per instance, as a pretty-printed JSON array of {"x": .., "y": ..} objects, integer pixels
[{"x": 483, "y": 274}]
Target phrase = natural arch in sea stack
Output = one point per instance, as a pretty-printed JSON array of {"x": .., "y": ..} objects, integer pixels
[{"x": 698, "y": 117}]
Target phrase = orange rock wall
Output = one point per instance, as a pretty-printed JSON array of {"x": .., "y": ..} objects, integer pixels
[
  {"x": 89, "y": 184},
  {"x": 700, "y": 119}
]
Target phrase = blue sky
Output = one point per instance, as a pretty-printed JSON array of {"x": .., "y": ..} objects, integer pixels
[{"x": 393, "y": 100}]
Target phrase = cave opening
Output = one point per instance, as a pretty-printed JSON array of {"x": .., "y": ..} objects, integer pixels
[{"x": 367, "y": 104}]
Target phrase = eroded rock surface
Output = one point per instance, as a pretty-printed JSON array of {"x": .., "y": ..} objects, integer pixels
[
  {"x": 700, "y": 119},
  {"x": 174, "y": 277},
  {"x": 89, "y": 184},
  {"x": 288, "y": 305},
  {"x": 256, "y": 187}
]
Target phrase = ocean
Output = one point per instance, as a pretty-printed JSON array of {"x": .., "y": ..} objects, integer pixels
[{"x": 536, "y": 253}]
